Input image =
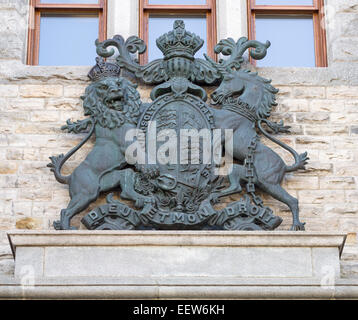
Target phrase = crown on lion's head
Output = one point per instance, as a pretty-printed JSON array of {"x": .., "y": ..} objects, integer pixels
[{"x": 112, "y": 101}]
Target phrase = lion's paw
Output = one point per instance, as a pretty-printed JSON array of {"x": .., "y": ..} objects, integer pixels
[
  {"x": 298, "y": 227},
  {"x": 57, "y": 225}
]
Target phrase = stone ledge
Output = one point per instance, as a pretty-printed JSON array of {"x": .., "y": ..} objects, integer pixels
[
  {"x": 175, "y": 238},
  {"x": 178, "y": 289},
  {"x": 175, "y": 281},
  {"x": 53, "y": 254},
  {"x": 176, "y": 265}
]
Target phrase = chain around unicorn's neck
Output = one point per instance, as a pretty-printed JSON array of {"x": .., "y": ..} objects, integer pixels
[{"x": 238, "y": 106}]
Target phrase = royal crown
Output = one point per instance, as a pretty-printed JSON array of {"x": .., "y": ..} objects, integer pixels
[
  {"x": 104, "y": 69},
  {"x": 179, "y": 42}
]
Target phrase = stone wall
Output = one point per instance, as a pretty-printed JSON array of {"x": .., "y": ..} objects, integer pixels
[
  {"x": 324, "y": 122},
  {"x": 321, "y": 105},
  {"x": 13, "y": 29}
]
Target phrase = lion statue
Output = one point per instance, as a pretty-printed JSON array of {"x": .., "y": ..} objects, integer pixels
[{"x": 113, "y": 106}]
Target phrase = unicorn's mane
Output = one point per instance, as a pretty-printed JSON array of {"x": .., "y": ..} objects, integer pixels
[{"x": 268, "y": 97}]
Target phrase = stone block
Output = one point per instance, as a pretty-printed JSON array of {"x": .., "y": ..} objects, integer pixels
[
  {"x": 344, "y": 50},
  {"x": 41, "y": 91},
  {"x": 348, "y": 24},
  {"x": 15, "y": 154},
  {"x": 348, "y": 223},
  {"x": 313, "y": 142},
  {"x": 175, "y": 254},
  {"x": 47, "y": 209},
  {"x": 349, "y": 270},
  {"x": 345, "y": 143},
  {"x": 295, "y": 182},
  {"x": 337, "y": 183},
  {"x": 29, "y": 262},
  {"x": 26, "y": 104},
  {"x": 325, "y": 263},
  {"x": 13, "y": 117},
  {"x": 18, "y": 140},
  {"x": 64, "y": 104},
  {"x": 294, "y": 105},
  {"x": 22, "y": 208},
  {"x": 342, "y": 92},
  {"x": 7, "y": 223},
  {"x": 317, "y": 168},
  {"x": 177, "y": 262},
  {"x": 35, "y": 167},
  {"x": 7, "y": 90},
  {"x": 48, "y": 116},
  {"x": 73, "y": 115},
  {"x": 7, "y": 267},
  {"x": 347, "y": 118},
  {"x": 8, "y": 181},
  {"x": 5, "y": 252},
  {"x": 75, "y": 91},
  {"x": 11, "y": 46},
  {"x": 336, "y": 155},
  {"x": 352, "y": 196},
  {"x": 18, "y": 5},
  {"x": 309, "y": 92},
  {"x": 9, "y": 194},
  {"x": 285, "y": 91},
  {"x": 321, "y": 196},
  {"x": 38, "y": 194},
  {"x": 346, "y": 169},
  {"x": 351, "y": 106},
  {"x": 326, "y": 130},
  {"x": 39, "y": 128},
  {"x": 325, "y": 105},
  {"x": 350, "y": 252},
  {"x": 8, "y": 167},
  {"x": 340, "y": 209},
  {"x": 345, "y": 6},
  {"x": 312, "y": 117}
]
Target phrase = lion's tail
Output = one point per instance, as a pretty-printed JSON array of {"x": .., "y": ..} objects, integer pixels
[
  {"x": 300, "y": 159},
  {"x": 57, "y": 162}
]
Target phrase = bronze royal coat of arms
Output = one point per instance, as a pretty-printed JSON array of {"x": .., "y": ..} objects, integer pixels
[{"x": 168, "y": 156}]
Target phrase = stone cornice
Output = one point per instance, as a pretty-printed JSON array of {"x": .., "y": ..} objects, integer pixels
[{"x": 177, "y": 238}]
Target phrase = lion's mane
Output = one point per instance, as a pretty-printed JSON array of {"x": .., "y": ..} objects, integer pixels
[{"x": 96, "y": 106}]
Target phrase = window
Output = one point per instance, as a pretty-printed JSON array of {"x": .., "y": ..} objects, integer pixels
[
  {"x": 157, "y": 17},
  {"x": 294, "y": 28},
  {"x": 63, "y": 32}
]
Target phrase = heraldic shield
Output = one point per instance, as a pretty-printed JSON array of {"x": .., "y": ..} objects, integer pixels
[
  {"x": 185, "y": 181},
  {"x": 165, "y": 157}
]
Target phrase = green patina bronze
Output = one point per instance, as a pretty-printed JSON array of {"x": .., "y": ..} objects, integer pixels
[{"x": 180, "y": 195}]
